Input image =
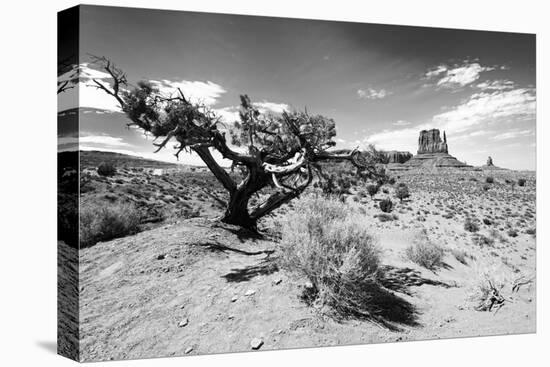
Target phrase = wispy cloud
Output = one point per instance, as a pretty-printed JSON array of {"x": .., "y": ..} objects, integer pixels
[
  {"x": 196, "y": 91},
  {"x": 401, "y": 123},
  {"x": 456, "y": 76},
  {"x": 488, "y": 107},
  {"x": 469, "y": 117},
  {"x": 371, "y": 93},
  {"x": 267, "y": 107},
  {"x": 89, "y": 96},
  {"x": 512, "y": 134},
  {"x": 496, "y": 85},
  {"x": 103, "y": 140},
  {"x": 230, "y": 114}
]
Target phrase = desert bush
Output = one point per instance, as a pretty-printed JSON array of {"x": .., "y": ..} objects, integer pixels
[
  {"x": 486, "y": 187},
  {"x": 512, "y": 233},
  {"x": 521, "y": 182},
  {"x": 470, "y": 225},
  {"x": 386, "y": 205},
  {"x": 531, "y": 231},
  {"x": 372, "y": 189},
  {"x": 391, "y": 181},
  {"x": 103, "y": 222},
  {"x": 482, "y": 240},
  {"x": 424, "y": 252},
  {"x": 489, "y": 180},
  {"x": 402, "y": 192},
  {"x": 462, "y": 256},
  {"x": 106, "y": 169},
  {"x": 324, "y": 240},
  {"x": 488, "y": 288},
  {"x": 487, "y": 221}
]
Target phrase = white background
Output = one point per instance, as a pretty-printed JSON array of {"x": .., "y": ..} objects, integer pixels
[{"x": 28, "y": 183}]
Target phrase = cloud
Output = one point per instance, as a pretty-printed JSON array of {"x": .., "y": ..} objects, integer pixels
[
  {"x": 496, "y": 85},
  {"x": 512, "y": 134},
  {"x": 266, "y": 107},
  {"x": 88, "y": 96},
  {"x": 196, "y": 91},
  {"x": 105, "y": 140},
  {"x": 85, "y": 94},
  {"x": 372, "y": 93},
  {"x": 457, "y": 76},
  {"x": 401, "y": 123},
  {"x": 488, "y": 107},
  {"x": 469, "y": 117},
  {"x": 230, "y": 114},
  {"x": 440, "y": 69},
  {"x": 401, "y": 139}
]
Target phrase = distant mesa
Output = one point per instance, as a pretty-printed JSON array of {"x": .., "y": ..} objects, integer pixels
[
  {"x": 432, "y": 153},
  {"x": 394, "y": 156}
]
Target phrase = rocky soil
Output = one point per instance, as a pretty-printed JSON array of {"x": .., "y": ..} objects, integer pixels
[{"x": 195, "y": 287}]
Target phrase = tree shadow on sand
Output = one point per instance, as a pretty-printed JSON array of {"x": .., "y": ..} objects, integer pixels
[
  {"x": 266, "y": 267},
  {"x": 402, "y": 279}
]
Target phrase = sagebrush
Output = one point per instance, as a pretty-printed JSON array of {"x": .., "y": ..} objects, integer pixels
[
  {"x": 424, "y": 252},
  {"x": 103, "y": 222},
  {"x": 328, "y": 242}
]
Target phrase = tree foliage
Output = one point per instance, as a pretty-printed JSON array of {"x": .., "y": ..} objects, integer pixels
[{"x": 281, "y": 151}]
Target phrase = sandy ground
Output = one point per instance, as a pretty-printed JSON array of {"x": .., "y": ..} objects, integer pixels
[{"x": 195, "y": 287}]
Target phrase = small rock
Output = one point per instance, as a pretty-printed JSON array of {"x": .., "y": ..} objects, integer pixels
[
  {"x": 277, "y": 281},
  {"x": 250, "y": 292},
  {"x": 188, "y": 350},
  {"x": 234, "y": 299},
  {"x": 308, "y": 285},
  {"x": 183, "y": 322},
  {"x": 231, "y": 317},
  {"x": 161, "y": 257},
  {"x": 256, "y": 343}
]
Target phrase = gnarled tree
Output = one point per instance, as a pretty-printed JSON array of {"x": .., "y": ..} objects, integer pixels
[{"x": 283, "y": 152}]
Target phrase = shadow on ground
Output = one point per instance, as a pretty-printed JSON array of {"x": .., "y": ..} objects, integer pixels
[
  {"x": 266, "y": 267},
  {"x": 402, "y": 279}
]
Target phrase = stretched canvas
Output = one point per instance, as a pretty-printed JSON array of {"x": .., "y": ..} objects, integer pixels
[{"x": 232, "y": 183}]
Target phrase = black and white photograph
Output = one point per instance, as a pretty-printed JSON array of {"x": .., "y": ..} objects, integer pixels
[{"x": 240, "y": 183}]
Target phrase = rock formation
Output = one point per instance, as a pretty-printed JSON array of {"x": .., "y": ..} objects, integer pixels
[
  {"x": 429, "y": 141},
  {"x": 433, "y": 153},
  {"x": 394, "y": 156},
  {"x": 490, "y": 166}
]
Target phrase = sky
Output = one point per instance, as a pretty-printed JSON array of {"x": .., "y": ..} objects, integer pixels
[{"x": 382, "y": 84}]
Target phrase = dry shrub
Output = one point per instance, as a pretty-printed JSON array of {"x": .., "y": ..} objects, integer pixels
[
  {"x": 386, "y": 205},
  {"x": 424, "y": 252},
  {"x": 471, "y": 225},
  {"x": 103, "y": 222},
  {"x": 328, "y": 242},
  {"x": 106, "y": 169},
  {"x": 462, "y": 256},
  {"x": 487, "y": 290}
]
